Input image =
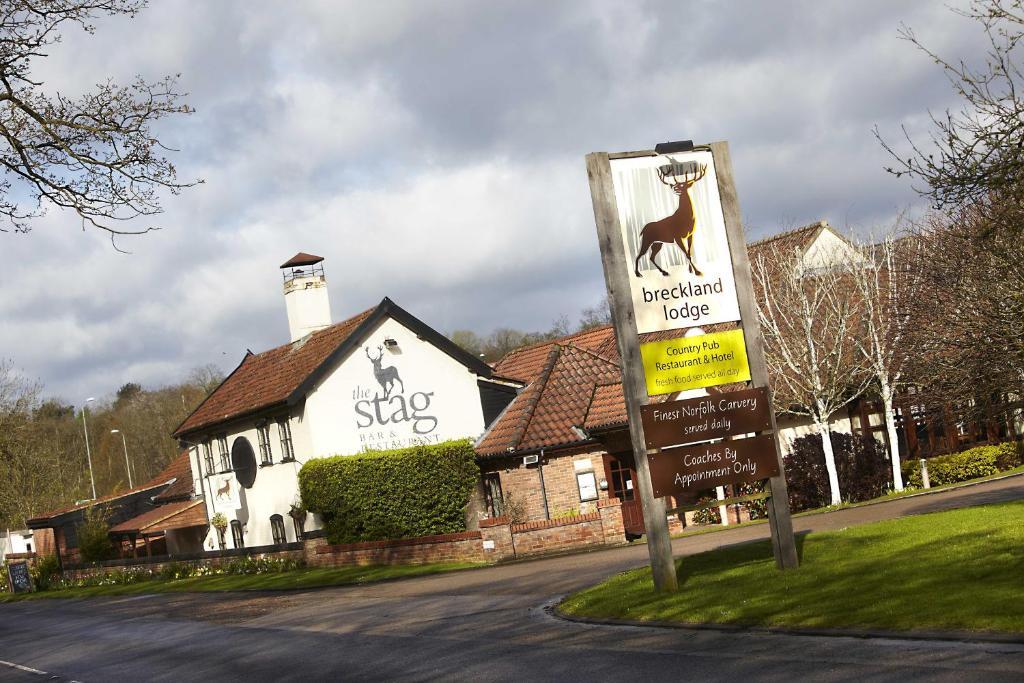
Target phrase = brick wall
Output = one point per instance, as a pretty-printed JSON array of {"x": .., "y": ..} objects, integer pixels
[
  {"x": 496, "y": 540},
  {"x": 462, "y": 547},
  {"x": 522, "y": 482}
]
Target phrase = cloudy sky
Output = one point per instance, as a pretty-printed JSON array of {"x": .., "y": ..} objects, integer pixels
[{"x": 433, "y": 152}]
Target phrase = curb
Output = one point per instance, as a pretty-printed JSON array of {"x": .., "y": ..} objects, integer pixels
[{"x": 932, "y": 636}]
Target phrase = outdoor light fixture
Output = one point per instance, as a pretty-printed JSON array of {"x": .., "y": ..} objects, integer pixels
[
  {"x": 671, "y": 147},
  {"x": 390, "y": 343}
]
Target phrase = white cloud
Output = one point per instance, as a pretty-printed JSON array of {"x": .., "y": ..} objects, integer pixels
[{"x": 433, "y": 152}]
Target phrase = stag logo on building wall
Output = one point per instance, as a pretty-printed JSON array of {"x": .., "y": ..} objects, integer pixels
[{"x": 387, "y": 411}]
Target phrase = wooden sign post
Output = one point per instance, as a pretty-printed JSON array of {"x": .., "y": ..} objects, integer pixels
[
  {"x": 779, "y": 519},
  {"x": 685, "y": 286},
  {"x": 616, "y": 276}
]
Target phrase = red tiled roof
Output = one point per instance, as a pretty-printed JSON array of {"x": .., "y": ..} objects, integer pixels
[
  {"x": 176, "y": 515},
  {"x": 546, "y": 413},
  {"x": 607, "y": 407},
  {"x": 268, "y": 378},
  {"x": 526, "y": 363},
  {"x": 173, "y": 471},
  {"x": 180, "y": 470}
]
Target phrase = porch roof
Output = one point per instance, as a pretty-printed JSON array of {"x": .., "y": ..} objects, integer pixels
[{"x": 177, "y": 515}]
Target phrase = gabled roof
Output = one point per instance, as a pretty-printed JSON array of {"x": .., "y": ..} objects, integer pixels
[
  {"x": 548, "y": 412},
  {"x": 284, "y": 375},
  {"x": 167, "y": 479},
  {"x": 801, "y": 238}
]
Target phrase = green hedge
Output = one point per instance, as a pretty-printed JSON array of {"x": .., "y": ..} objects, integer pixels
[
  {"x": 973, "y": 463},
  {"x": 403, "y": 493}
]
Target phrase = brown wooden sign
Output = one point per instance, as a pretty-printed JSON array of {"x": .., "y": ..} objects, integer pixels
[
  {"x": 709, "y": 417},
  {"x": 694, "y": 468}
]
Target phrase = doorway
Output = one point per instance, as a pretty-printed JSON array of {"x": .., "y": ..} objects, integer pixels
[{"x": 621, "y": 484}]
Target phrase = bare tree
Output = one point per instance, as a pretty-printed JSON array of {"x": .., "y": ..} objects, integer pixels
[
  {"x": 95, "y": 154},
  {"x": 808, "y": 318},
  {"x": 887, "y": 283},
  {"x": 968, "y": 328},
  {"x": 980, "y": 149}
]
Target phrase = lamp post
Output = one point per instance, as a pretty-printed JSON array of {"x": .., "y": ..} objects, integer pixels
[
  {"x": 127, "y": 464},
  {"x": 88, "y": 453}
]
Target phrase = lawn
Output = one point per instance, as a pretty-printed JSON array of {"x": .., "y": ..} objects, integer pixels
[
  {"x": 958, "y": 570},
  {"x": 296, "y": 579}
]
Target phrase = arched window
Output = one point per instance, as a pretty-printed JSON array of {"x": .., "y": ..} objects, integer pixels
[
  {"x": 236, "y": 534},
  {"x": 277, "y": 528}
]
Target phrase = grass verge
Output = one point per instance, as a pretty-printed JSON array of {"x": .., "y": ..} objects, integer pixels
[
  {"x": 292, "y": 580},
  {"x": 947, "y": 571}
]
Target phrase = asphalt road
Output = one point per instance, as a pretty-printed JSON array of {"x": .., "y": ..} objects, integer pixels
[{"x": 487, "y": 624}]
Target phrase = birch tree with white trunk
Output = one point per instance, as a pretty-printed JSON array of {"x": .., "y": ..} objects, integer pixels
[
  {"x": 808, "y": 320},
  {"x": 888, "y": 278}
]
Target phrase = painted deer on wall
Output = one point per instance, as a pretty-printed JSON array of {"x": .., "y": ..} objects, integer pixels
[
  {"x": 386, "y": 377},
  {"x": 680, "y": 226}
]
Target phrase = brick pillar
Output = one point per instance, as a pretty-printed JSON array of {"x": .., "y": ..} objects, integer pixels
[
  {"x": 497, "y": 531},
  {"x": 611, "y": 521},
  {"x": 309, "y": 546}
]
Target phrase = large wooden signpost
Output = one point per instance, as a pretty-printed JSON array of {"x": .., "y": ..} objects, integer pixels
[{"x": 674, "y": 258}]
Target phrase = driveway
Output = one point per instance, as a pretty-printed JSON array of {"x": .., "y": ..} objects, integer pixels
[{"x": 487, "y": 624}]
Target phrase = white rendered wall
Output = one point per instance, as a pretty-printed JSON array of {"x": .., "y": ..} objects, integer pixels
[
  {"x": 437, "y": 398},
  {"x": 440, "y": 400},
  {"x": 273, "y": 491}
]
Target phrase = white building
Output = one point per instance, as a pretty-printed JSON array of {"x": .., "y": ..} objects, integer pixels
[{"x": 380, "y": 379}]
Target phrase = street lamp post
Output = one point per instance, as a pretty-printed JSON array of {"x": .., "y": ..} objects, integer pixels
[
  {"x": 88, "y": 453},
  {"x": 127, "y": 464}
]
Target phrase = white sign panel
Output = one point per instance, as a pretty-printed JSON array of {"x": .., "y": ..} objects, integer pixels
[
  {"x": 225, "y": 492},
  {"x": 673, "y": 232},
  {"x": 588, "y": 486}
]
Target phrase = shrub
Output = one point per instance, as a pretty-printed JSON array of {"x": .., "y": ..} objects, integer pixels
[
  {"x": 1009, "y": 456},
  {"x": 861, "y": 464},
  {"x": 46, "y": 572},
  {"x": 981, "y": 461},
  {"x": 94, "y": 535},
  {"x": 380, "y": 495}
]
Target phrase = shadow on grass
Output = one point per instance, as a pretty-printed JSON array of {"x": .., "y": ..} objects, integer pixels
[{"x": 953, "y": 570}]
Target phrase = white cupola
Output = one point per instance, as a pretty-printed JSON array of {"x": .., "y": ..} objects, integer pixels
[{"x": 305, "y": 294}]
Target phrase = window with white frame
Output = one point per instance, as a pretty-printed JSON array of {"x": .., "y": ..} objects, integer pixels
[
  {"x": 266, "y": 455},
  {"x": 222, "y": 450},
  {"x": 284, "y": 430}
]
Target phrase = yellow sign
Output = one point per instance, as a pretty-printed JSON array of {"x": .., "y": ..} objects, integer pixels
[{"x": 695, "y": 362}]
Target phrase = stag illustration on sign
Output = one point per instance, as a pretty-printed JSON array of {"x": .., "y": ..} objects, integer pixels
[
  {"x": 678, "y": 228},
  {"x": 224, "y": 492},
  {"x": 386, "y": 377}
]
